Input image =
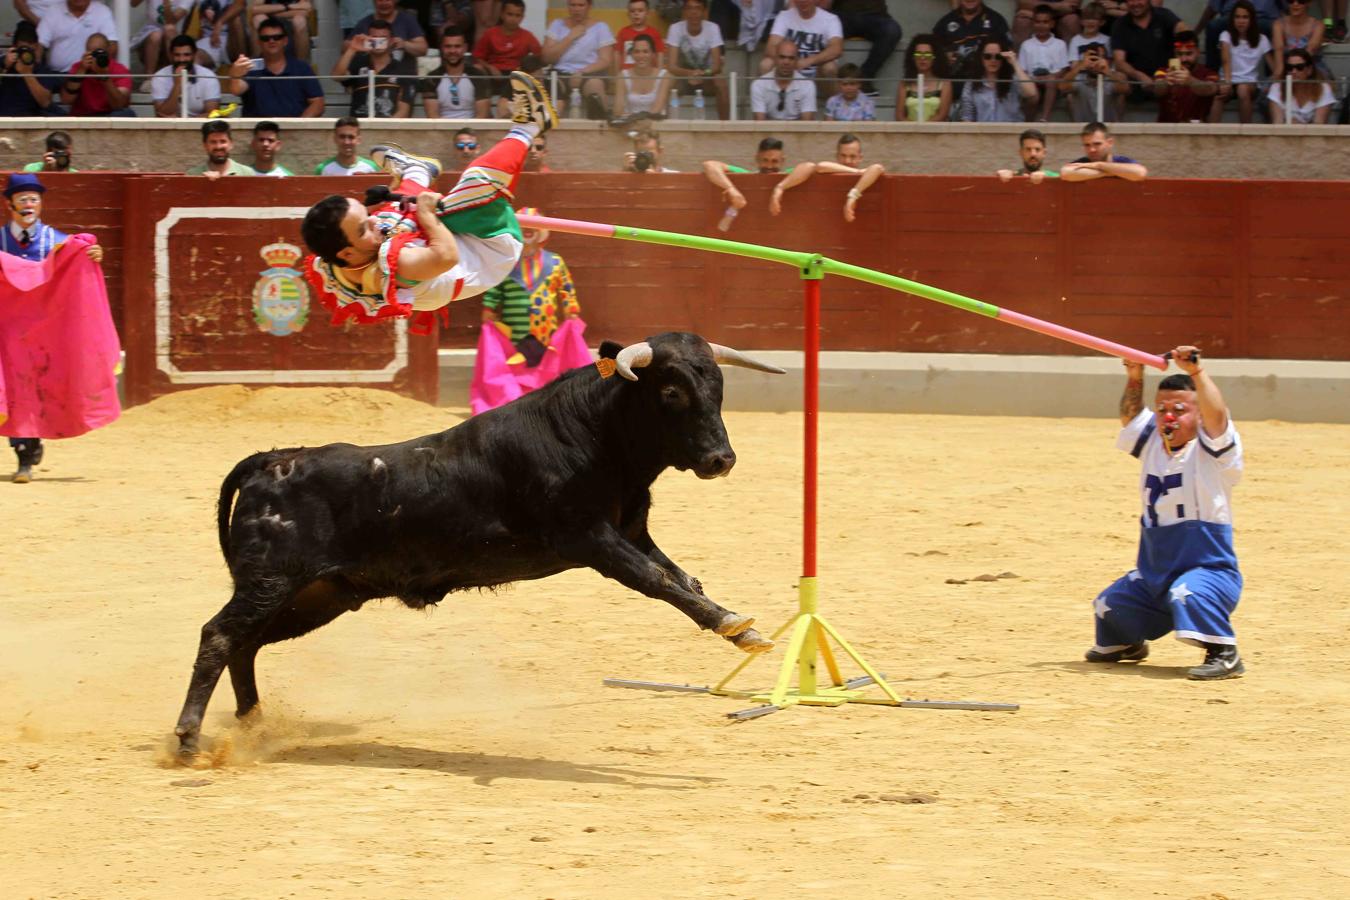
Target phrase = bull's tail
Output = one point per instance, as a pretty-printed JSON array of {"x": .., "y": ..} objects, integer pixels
[{"x": 228, "y": 488}]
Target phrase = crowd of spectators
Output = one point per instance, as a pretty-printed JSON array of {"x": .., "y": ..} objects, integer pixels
[{"x": 1091, "y": 60}]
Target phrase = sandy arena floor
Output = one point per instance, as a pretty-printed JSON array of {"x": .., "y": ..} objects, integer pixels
[{"x": 472, "y": 752}]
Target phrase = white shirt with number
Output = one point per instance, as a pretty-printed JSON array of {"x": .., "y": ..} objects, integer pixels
[
  {"x": 811, "y": 35},
  {"x": 205, "y": 88},
  {"x": 797, "y": 98}
]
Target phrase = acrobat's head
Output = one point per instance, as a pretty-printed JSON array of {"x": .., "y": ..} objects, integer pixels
[
  {"x": 23, "y": 196},
  {"x": 1177, "y": 413},
  {"x": 341, "y": 232}
]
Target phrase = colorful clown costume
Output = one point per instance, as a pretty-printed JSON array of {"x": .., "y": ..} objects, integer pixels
[{"x": 1186, "y": 578}]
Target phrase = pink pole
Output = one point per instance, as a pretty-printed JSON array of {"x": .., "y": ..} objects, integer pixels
[{"x": 1031, "y": 323}]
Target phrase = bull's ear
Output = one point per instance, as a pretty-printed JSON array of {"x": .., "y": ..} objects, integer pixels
[{"x": 609, "y": 349}]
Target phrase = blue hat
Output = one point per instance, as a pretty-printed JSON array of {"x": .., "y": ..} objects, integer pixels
[{"x": 22, "y": 181}]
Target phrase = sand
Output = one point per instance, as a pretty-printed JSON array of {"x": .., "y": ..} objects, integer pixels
[{"x": 471, "y": 750}]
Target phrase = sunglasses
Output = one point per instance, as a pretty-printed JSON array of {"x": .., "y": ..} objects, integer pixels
[
  {"x": 993, "y": 56},
  {"x": 923, "y": 54},
  {"x": 782, "y": 98},
  {"x": 466, "y": 145},
  {"x": 269, "y": 38},
  {"x": 1299, "y": 65}
]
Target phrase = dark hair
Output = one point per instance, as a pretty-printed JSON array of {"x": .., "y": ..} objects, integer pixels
[
  {"x": 322, "y": 228},
  {"x": 347, "y": 120},
  {"x": 184, "y": 40},
  {"x": 451, "y": 31},
  {"x": 848, "y": 138},
  {"x": 1043, "y": 8},
  {"x": 1184, "y": 37},
  {"x": 466, "y": 130},
  {"x": 215, "y": 126},
  {"x": 1093, "y": 127},
  {"x": 26, "y": 31},
  {"x": 272, "y": 22},
  {"x": 702, "y": 3},
  {"x": 848, "y": 72},
  {"x": 520, "y": 3},
  {"x": 267, "y": 125},
  {"x": 1177, "y": 381},
  {"x": 58, "y": 140},
  {"x": 646, "y": 3},
  {"x": 381, "y": 25},
  {"x": 1253, "y": 36},
  {"x": 1005, "y": 72},
  {"x": 939, "y": 55},
  {"x": 769, "y": 144},
  {"x": 645, "y": 38},
  {"x": 1032, "y": 134}
]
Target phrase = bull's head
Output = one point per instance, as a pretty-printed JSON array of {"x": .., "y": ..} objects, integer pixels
[{"x": 682, "y": 382}]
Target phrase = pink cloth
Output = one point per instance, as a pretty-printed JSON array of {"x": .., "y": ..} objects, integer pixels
[
  {"x": 495, "y": 383},
  {"x": 58, "y": 348}
]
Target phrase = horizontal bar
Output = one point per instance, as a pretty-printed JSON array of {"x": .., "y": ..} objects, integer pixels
[
  {"x": 961, "y": 704},
  {"x": 654, "y": 686},
  {"x": 753, "y": 712}
]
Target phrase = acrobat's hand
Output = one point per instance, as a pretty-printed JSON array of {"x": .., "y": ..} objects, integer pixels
[{"x": 94, "y": 252}]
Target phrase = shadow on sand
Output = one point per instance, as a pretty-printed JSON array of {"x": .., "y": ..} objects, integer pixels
[
  {"x": 1116, "y": 670},
  {"x": 483, "y": 768}
]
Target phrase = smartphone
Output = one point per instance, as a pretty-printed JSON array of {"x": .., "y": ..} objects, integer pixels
[
  {"x": 377, "y": 43},
  {"x": 256, "y": 63},
  {"x": 1174, "y": 64}
]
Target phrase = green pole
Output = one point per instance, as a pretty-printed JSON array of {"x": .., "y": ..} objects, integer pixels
[
  {"x": 715, "y": 245},
  {"x": 833, "y": 267}
]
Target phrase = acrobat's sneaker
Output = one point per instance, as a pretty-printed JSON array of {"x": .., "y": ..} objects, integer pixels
[
  {"x": 403, "y": 165},
  {"x": 1132, "y": 653},
  {"x": 1221, "y": 661},
  {"x": 529, "y": 102},
  {"x": 23, "y": 474}
]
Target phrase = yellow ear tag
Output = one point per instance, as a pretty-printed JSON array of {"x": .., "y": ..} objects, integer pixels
[{"x": 606, "y": 367}]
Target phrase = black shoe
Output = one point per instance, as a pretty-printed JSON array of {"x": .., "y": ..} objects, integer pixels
[
  {"x": 1132, "y": 653},
  {"x": 595, "y": 107},
  {"x": 1221, "y": 661},
  {"x": 23, "y": 474}
]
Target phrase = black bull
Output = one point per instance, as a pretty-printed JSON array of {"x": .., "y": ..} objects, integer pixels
[{"x": 556, "y": 480}]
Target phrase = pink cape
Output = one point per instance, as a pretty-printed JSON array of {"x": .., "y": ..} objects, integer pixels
[
  {"x": 495, "y": 382},
  {"x": 59, "y": 351}
]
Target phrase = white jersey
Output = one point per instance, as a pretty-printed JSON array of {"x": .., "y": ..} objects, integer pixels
[{"x": 1187, "y": 519}]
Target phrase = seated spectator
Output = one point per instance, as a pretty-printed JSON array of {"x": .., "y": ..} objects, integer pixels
[
  {"x": 66, "y": 28},
  {"x": 31, "y": 11},
  {"x": 108, "y": 93},
  {"x": 1297, "y": 30},
  {"x": 966, "y": 29},
  {"x": 222, "y": 32},
  {"x": 1244, "y": 48},
  {"x": 35, "y": 93},
  {"x": 645, "y": 156},
  {"x": 504, "y": 48},
  {"x": 694, "y": 55},
  {"x": 1218, "y": 18},
  {"x": 347, "y": 138},
  {"x": 750, "y": 20},
  {"x": 1046, "y": 57},
  {"x": 219, "y": 144},
  {"x": 850, "y": 104},
  {"x": 1065, "y": 19},
  {"x": 166, "y": 87},
  {"x": 395, "y": 79},
  {"x": 871, "y": 21},
  {"x": 644, "y": 87},
  {"x": 768, "y": 161},
  {"x": 1001, "y": 87},
  {"x": 1031, "y": 145},
  {"x": 1079, "y": 82},
  {"x": 466, "y": 148},
  {"x": 817, "y": 33},
  {"x": 580, "y": 49},
  {"x": 1311, "y": 99},
  {"x": 266, "y": 148},
  {"x": 270, "y": 91},
  {"x": 409, "y": 38},
  {"x": 163, "y": 20},
  {"x": 1099, "y": 160},
  {"x": 848, "y": 160},
  {"x": 1188, "y": 91},
  {"x": 537, "y": 159},
  {"x": 785, "y": 94},
  {"x": 1141, "y": 44},
  {"x": 457, "y": 88},
  {"x": 922, "y": 58},
  {"x": 293, "y": 16},
  {"x": 57, "y": 157},
  {"x": 1093, "y": 21},
  {"x": 638, "y": 11}
]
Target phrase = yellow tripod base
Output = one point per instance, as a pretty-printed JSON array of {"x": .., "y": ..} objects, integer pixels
[{"x": 808, "y": 645}]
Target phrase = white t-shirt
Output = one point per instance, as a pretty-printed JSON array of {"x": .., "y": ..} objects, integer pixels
[
  {"x": 1077, "y": 42},
  {"x": 766, "y": 96},
  {"x": 587, "y": 47},
  {"x": 635, "y": 102},
  {"x": 695, "y": 50},
  {"x": 64, "y": 35},
  {"x": 1051, "y": 55},
  {"x": 1246, "y": 58},
  {"x": 810, "y": 35},
  {"x": 1302, "y": 112},
  {"x": 755, "y": 14},
  {"x": 152, "y": 22},
  {"x": 205, "y": 88}
]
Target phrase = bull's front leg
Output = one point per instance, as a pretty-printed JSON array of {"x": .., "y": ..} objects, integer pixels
[
  {"x": 609, "y": 553},
  {"x": 648, "y": 546}
]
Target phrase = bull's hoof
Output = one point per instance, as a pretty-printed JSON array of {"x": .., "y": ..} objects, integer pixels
[
  {"x": 751, "y": 641},
  {"x": 733, "y": 624}
]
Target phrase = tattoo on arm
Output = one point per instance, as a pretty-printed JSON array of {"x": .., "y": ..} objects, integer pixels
[{"x": 1132, "y": 400}]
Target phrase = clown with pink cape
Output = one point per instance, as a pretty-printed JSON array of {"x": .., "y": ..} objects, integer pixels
[{"x": 521, "y": 346}]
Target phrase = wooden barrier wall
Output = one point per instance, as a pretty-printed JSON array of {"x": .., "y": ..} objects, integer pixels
[{"x": 1243, "y": 268}]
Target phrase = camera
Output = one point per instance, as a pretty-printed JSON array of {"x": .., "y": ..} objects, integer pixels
[
  {"x": 100, "y": 57},
  {"x": 643, "y": 160},
  {"x": 25, "y": 56},
  {"x": 61, "y": 159},
  {"x": 1040, "y": 72}
]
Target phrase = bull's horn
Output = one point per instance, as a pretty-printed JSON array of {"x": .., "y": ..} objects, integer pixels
[
  {"x": 726, "y": 356},
  {"x": 634, "y": 356}
]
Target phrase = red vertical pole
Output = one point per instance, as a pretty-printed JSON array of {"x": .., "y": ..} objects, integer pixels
[{"x": 811, "y": 410}]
